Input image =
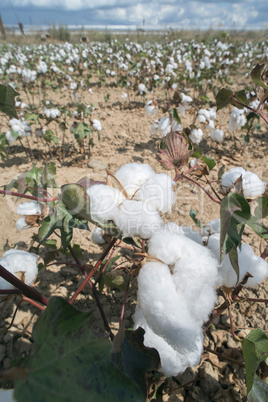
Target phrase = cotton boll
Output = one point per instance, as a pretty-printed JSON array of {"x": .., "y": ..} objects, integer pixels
[
  {"x": 103, "y": 202},
  {"x": 29, "y": 208},
  {"x": 22, "y": 224},
  {"x": 166, "y": 247},
  {"x": 164, "y": 126},
  {"x": 18, "y": 262},
  {"x": 97, "y": 236},
  {"x": 172, "y": 362},
  {"x": 195, "y": 275},
  {"x": 158, "y": 192},
  {"x": 252, "y": 185},
  {"x": 172, "y": 227},
  {"x": 213, "y": 226},
  {"x": 213, "y": 244},
  {"x": 133, "y": 175},
  {"x": 229, "y": 178},
  {"x": 247, "y": 262},
  {"x": 196, "y": 135},
  {"x": 137, "y": 218},
  {"x": 150, "y": 108},
  {"x": 164, "y": 309},
  {"x": 217, "y": 135}
]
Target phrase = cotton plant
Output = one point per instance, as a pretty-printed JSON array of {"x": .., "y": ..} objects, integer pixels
[{"x": 19, "y": 128}]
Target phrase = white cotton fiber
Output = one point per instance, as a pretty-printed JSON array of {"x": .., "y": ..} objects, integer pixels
[
  {"x": 29, "y": 208},
  {"x": 164, "y": 309},
  {"x": 97, "y": 236},
  {"x": 172, "y": 362},
  {"x": 172, "y": 227},
  {"x": 22, "y": 224},
  {"x": 252, "y": 185},
  {"x": 213, "y": 244},
  {"x": 166, "y": 247},
  {"x": 213, "y": 226},
  {"x": 229, "y": 178},
  {"x": 16, "y": 262},
  {"x": 137, "y": 218},
  {"x": 103, "y": 202},
  {"x": 133, "y": 175},
  {"x": 158, "y": 191},
  {"x": 247, "y": 262},
  {"x": 196, "y": 275}
]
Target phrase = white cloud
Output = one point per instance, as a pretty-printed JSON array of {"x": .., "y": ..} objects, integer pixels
[{"x": 159, "y": 13}]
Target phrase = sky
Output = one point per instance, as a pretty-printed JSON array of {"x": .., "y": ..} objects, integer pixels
[{"x": 145, "y": 14}]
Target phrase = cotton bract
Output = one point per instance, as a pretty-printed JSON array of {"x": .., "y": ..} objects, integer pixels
[{"x": 21, "y": 264}]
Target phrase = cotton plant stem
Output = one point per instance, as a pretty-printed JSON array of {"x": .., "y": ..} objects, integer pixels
[
  {"x": 223, "y": 356},
  {"x": 213, "y": 189},
  {"x": 30, "y": 197},
  {"x": 28, "y": 291},
  {"x": 35, "y": 304},
  {"x": 106, "y": 251},
  {"x": 125, "y": 300},
  {"x": 199, "y": 185}
]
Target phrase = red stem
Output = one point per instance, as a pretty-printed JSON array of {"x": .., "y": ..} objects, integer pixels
[
  {"x": 28, "y": 291},
  {"x": 106, "y": 251},
  {"x": 199, "y": 185},
  {"x": 33, "y": 303},
  {"x": 30, "y": 197}
]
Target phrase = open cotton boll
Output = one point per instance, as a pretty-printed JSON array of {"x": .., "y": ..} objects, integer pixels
[
  {"x": 166, "y": 247},
  {"x": 217, "y": 135},
  {"x": 213, "y": 244},
  {"x": 133, "y": 175},
  {"x": 195, "y": 275},
  {"x": 213, "y": 226},
  {"x": 172, "y": 362},
  {"x": 103, "y": 202},
  {"x": 22, "y": 224},
  {"x": 247, "y": 262},
  {"x": 97, "y": 236},
  {"x": 229, "y": 178},
  {"x": 172, "y": 227},
  {"x": 29, "y": 208},
  {"x": 196, "y": 135},
  {"x": 164, "y": 309},
  {"x": 137, "y": 218},
  {"x": 158, "y": 191},
  {"x": 252, "y": 185},
  {"x": 18, "y": 262}
]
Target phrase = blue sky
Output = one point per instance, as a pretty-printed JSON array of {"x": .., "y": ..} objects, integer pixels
[{"x": 148, "y": 14}]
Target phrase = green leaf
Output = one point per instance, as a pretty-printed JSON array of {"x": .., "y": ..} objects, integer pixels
[
  {"x": 221, "y": 172},
  {"x": 193, "y": 215},
  {"x": 259, "y": 390},
  {"x": 261, "y": 211},
  {"x": 48, "y": 225},
  {"x": 33, "y": 116},
  {"x": 70, "y": 363},
  {"x": 234, "y": 213},
  {"x": 114, "y": 281},
  {"x": 175, "y": 116},
  {"x": 77, "y": 200},
  {"x": 50, "y": 136},
  {"x": 223, "y": 98},
  {"x": 258, "y": 228},
  {"x": 7, "y": 100},
  {"x": 134, "y": 359},
  {"x": 241, "y": 97},
  {"x": 81, "y": 131},
  {"x": 255, "y": 350},
  {"x": 256, "y": 74},
  {"x": 208, "y": 161}
]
